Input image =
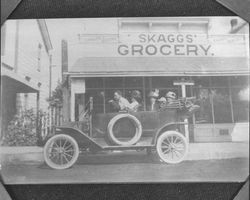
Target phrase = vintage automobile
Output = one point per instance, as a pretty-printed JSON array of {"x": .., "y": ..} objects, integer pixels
[{"x": 161, "y": 131}]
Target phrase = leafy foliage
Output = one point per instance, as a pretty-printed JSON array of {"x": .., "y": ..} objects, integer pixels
[
  {"x": 21, "y": 130},
  {"x": 56, "y": 98}
]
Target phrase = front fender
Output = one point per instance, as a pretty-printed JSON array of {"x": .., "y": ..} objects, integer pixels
[
  {"x": 166, "y": 127},
  {"x": 82, "y": 139}
]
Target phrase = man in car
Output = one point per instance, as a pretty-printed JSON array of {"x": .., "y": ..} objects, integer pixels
[{"x": 119, "y": 103}]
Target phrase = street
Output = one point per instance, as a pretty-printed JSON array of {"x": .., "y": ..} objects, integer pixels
[{"x": 129, "y": 167}]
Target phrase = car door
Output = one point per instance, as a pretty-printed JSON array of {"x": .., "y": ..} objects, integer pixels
[{"x": 149, "y": 121}]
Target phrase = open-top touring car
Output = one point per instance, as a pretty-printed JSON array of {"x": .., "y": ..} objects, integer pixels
[{"x": 161, "y": 130}]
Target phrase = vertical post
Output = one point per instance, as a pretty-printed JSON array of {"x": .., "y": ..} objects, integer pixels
[
  {"x": 144, "y": 93},
  {"x": 183, "y": 93},
  {"x": 72, "y": 103},
  {"x": 230, "y": 99},
  {"x": 90, "y": 115},
  {"x": 50, "y": 74},
  {"x": 104, "y": 95},
  {"x": 37, "y": 115},
  {"x": 16, "y": 47}
]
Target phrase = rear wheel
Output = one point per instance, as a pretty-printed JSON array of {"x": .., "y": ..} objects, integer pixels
[
  {"x": 172, "y": 147},
  {"x": 61, "y": 151}
]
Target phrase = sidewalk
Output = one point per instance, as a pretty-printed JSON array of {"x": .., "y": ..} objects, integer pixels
[
  {"x": 197, "y": 151},
  {"x": 225, "y": 150}
]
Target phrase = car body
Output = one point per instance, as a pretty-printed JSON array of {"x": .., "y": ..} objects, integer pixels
[{"x": 120, "y": 131}]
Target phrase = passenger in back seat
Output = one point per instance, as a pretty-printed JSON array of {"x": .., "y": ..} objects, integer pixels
[{"x": 171, "y": 97}]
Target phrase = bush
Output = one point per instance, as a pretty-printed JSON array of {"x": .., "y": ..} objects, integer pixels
[{"x": 21, "y": 130}]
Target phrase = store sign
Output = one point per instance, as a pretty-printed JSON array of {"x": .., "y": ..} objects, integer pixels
[
  {"x": 146, "y": 44},
  {"x": 164, "y": 45}
]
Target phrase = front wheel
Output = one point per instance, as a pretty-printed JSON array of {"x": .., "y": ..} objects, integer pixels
[
  {"x": 172, "y": 147},
  {"x": 61, "y": 151}
]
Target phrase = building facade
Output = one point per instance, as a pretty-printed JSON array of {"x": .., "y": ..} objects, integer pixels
[
  {"x": 147, "y": 53},
  {"x": 25, "y": 67}
]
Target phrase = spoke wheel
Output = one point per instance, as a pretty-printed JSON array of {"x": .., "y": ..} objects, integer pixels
[
  {"x": 172, "y": 147},
  {"x": 61, "y": 151}
]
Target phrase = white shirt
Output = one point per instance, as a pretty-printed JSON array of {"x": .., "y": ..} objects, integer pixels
[
  {"x": 134, "y": 106},
  {"x": 123, "y": 103}
]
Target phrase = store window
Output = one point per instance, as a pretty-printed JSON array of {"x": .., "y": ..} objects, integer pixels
[
  {"x": 222, "y": 106},
  {"x": 240, "y": 98},
  {"x": 239, "y": 81},
  {"x": 98, "y": 99},
  {"x": 219, "y": 81},
  {"x": 240, "y": 101},
  {"x": 114, "y": 82},
  {"x": 163, "y": 82},
  {"x": 133, "y": 82},
  {"x": 94, "y": 83},
  {"x": 204, "y": 114}
]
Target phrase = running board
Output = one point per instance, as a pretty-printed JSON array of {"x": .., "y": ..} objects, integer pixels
[{"x": 130, "y": 147}]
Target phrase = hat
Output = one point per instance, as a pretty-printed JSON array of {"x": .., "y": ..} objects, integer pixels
[
  {"x": 153, "y": 94},
  {"x": 162, "y": 99},
  {"x": 171, "y": 95}
]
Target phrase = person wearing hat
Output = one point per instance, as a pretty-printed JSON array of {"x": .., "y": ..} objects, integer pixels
[
  {"x": 153, "y": 106},
  {"x": 162, "y": 103},
  {"x": 135, "y": 99},
  {"x": 170, "y": 97}
]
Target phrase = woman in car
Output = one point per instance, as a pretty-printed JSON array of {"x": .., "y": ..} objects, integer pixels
[{"x": 135, "y": 99}]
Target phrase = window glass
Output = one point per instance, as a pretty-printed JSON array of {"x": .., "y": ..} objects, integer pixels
[
  {"x": 219, "y": 81},
  {"x": 204, "y": 114},
  {"x": 222, "y": 107},
  {"x": 240, "y": 98},
  {"x": 132, "y": 82},
  {"x": 97, "y": 94},
  {"x": 163, "y": 82},
  {"x": 241, "y": 81},
  {"x": 114, "y": 82},
  {"x": 94, "y": 82},
  {"x": 201, "y": 81}
]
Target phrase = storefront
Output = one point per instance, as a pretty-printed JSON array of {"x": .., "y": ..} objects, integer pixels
[{"x": 217, "y": 64}]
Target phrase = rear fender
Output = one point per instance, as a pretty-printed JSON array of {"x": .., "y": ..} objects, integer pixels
[
  {"x": 82, "y": 139},
  {"x": 167, "y": 127}
]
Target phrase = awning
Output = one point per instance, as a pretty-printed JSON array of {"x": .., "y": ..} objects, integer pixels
[
  {"x": 159, "y": 66},
  {"x": 16, "y": 83}
]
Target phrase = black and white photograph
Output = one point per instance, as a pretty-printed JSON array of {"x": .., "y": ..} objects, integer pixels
[{"x": 124, "y": 100}]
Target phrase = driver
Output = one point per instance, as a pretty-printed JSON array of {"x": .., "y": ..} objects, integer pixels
[{"x": 119, "y": 103}]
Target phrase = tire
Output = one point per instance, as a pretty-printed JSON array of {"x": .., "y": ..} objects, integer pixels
[
  {"x": 61, "y": 151},
  {"x": 134, "y": 139},
  {"x": 167, "y": 148}
]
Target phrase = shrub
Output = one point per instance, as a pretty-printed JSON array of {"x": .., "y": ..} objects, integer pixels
[{"x": 21, "y": 131}]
